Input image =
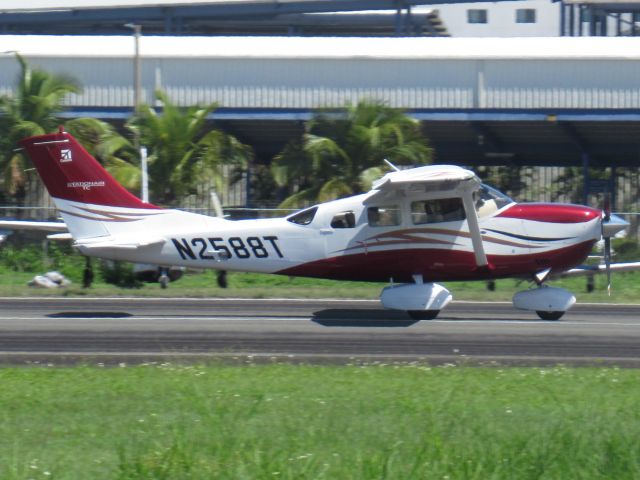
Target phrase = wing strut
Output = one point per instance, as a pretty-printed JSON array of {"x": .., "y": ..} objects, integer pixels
[{"x": 474, "y": 229}]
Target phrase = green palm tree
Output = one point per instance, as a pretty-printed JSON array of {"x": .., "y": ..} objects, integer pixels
[
  {"x": 33, "y": 110},
  {"x": 342, "y": 153},
  {"x": 182, "y": 151}
]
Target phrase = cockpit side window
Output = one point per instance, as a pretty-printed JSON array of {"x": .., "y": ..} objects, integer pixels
[
  {"x": 344, "y": 220},
  {"x": 437, "y": 210},
  {"x": 304, "y": 217},
  {"x": 384, "y": 216}
]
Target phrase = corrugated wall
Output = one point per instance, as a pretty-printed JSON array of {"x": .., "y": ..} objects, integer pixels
[{"x": 309, "y": 83}]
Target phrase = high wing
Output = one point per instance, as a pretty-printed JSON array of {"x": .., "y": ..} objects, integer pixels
[
  {"x": 452, "y": 179},
  {"x": 431, "y": 176}
]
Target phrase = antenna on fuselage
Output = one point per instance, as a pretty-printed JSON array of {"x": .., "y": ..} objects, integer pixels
[{"x": 391, "y": 165}]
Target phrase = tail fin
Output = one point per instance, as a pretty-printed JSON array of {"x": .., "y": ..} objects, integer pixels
[
  {"x": 90, "y": 200},
  {"x": 70, "y": 173}
]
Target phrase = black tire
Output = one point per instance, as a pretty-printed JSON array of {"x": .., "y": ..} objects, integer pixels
[
  {"x": 549, "y": 315},
  {"x": 164, "y": 281},
  {"x": 423, "y": 314}
]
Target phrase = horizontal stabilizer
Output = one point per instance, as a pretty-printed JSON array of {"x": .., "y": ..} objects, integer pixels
[
  {"x": 32, "y": 225},
  {"x": 60, "y": 236},
  {"x": 118, "y": 244}
]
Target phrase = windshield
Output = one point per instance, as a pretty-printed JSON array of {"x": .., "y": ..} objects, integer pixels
[{"x": 489, "y": 200}]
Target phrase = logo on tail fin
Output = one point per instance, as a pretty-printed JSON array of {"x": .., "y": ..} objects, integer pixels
[{"x": 65, "y": 155}]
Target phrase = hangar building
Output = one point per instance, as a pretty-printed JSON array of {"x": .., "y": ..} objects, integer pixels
[{"x": 533, "y": 101}]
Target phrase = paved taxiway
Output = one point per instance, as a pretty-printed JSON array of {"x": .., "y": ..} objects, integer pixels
[{"x": 89, "y": 330}]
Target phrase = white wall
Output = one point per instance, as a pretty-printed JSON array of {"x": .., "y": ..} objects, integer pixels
[
  {"x": 501, "y": 20},
  {"x": 414, "y": 73}
]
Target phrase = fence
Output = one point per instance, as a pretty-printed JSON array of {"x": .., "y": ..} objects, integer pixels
[
  {"x": 524, "y": 184},
  {"x": 567, "y": 185}
]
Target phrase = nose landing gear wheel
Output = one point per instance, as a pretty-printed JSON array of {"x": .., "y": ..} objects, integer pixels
[
  {"x": 423, "y": 314},
  {"x": 549, "y": 315}
]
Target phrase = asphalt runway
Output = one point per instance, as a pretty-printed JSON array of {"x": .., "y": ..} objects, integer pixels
[{"x": 88, "y": 330}]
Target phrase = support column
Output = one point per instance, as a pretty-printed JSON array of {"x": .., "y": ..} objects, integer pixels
[
  {"x": 585, "y": 177},
  {"x": 593, "y": 22},
  {"x": 581, "y": 11},
  {"x": 612, "y": 187},
  {"x": 604, "y": 16}
]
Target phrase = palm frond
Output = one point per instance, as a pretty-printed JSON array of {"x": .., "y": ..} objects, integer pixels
[
  {"x": 334, "y": 188},
  {"x": 301, "y": 199}
]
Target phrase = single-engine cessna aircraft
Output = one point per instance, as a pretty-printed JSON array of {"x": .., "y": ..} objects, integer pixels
[{"x": 415, "y": 227}]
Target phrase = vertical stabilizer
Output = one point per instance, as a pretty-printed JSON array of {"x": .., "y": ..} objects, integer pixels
[
  {"x": 91, "y": 201},
  {"x": 70, "y": 173}
]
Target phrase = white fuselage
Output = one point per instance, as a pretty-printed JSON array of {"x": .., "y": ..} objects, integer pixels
[{"x": 343, "y": 239}]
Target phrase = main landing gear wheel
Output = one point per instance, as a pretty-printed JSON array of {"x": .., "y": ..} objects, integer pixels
[
  {"x": 549, "y": 315},
  {"x": 164, "y": 278},
  {"x": 423, "y": 314}
]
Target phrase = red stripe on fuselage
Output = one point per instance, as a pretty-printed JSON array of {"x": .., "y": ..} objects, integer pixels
[
  {"x": 551, "y": 212},
  {"x": 437, "y": 265}
]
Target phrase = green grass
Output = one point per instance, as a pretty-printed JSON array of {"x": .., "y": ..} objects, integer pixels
[
  {"x": 18, "y": 265},
  {"x": 374, "y": 421},
  {"x": 626, "y": 288}
]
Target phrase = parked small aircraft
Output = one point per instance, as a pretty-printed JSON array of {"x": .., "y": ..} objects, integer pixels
[{"x": 416, "y": 227}]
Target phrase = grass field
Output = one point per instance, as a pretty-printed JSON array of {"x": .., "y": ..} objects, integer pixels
[
  {"x": 404, "y": 421},
  {"x": 372, "y": 421},
  {"x": 626, "y": 288},
  {"x": 19, "y": 264}
]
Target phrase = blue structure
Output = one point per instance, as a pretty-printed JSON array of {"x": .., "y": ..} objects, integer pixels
[
  {"x": 599, "y": 18},
  {"x": 219, "y": 17}
]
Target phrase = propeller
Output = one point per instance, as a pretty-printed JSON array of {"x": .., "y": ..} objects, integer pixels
[
  {"x": 610, "y": 224},
  {"x": 606, "y": 217}
]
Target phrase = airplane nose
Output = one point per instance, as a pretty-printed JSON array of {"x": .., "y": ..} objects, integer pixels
[{"x": 613, "y": 225}]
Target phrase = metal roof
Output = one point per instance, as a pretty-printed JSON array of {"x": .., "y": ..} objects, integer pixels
[
  {"x": 524, "y": 48},
  {"x": 334, "y": 5},
  {"x": 220, "y": 17}
]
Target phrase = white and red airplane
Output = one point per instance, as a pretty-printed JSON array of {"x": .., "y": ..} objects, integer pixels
[{"x": 415, "y": 227}]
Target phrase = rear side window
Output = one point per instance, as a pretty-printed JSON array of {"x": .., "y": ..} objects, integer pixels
[
  {"x": 343, "y": 220},
  {"x": 384, "y": 216},
  {"x": 438, "y": 210},
  {"x": 304, "y": 217}
]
